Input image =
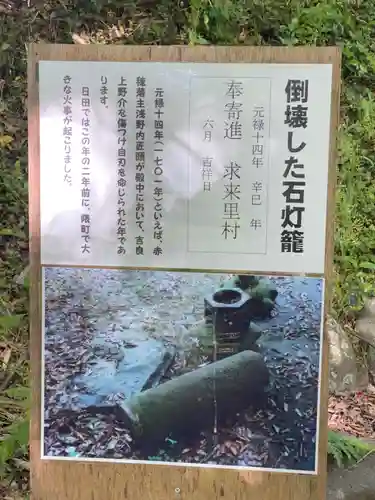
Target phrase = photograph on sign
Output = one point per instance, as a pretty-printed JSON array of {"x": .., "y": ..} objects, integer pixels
[
  {"x": 184, "y": 165},
  {"x": 193, "y": 368}
]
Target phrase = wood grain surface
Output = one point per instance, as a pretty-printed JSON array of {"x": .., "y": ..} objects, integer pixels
[{"x": 65, "y": 480}]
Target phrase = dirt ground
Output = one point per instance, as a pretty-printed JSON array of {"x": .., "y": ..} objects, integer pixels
[{"x": 356, "y": 483}]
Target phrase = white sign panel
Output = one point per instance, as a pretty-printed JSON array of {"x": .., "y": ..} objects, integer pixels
[{"x": 186, "y": 166}]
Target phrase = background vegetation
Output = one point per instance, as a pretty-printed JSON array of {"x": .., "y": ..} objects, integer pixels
[{"x": 348, "y": 23}]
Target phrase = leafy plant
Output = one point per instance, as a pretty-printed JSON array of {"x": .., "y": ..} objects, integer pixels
[
  {"x": 346, "y": 450},
  {"x": 14, "y": 412}
]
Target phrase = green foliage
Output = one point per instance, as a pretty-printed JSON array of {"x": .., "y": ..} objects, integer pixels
[
  {"x": 14, "y": 421},
  {"x": 14, "y": 394},
  {"x": 345, "y": 450}
]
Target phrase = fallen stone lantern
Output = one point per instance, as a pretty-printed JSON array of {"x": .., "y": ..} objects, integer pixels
[
  {"x": 227, "y": 310},
  {"x": 192, "y": 402}
]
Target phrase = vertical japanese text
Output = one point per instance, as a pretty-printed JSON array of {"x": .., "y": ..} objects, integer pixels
[
  {"x": 122, "y": 127},
  {"x": 296, "y": 117},
  {"x": 140, "y": 128},
  {"x": 67, "y": 128},
  {"x": 85, "y": 169},
  {"x": 158, "y": 193}
]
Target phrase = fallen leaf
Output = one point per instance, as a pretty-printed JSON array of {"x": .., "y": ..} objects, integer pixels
[
  {"x": 5, "y": 141},
  {"x": 5, "y": 355}
]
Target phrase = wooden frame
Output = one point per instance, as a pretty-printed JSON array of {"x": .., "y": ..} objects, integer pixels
[{"x": 96, "y": 481}]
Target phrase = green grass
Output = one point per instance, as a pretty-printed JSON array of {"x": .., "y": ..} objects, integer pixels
[{"x": 350, "y": 24}]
